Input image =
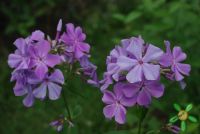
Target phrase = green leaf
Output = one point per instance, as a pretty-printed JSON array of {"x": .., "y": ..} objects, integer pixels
[
  {"x": 76, "y": 111},
  {"x": 192, "y": 118},
  {"x": 119, "y": 17},
  {"x": 189, "y": 107},
  {"x": 132, "y": 16},
  {"x": 173, "y": 119},
  {"x": 183, "y": 126},
  {"x": 177, "y": 107}
]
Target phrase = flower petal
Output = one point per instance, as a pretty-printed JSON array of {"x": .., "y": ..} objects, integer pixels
[
  {"x": 144, "y": 98},
  {"x": 54, "y": 91},
  {"x": 178, "y": 54},
  {"x": 109, "y": 111},
  {"x": 120, "y": 114},
  {"x": 136, "y": 48},
  {"x": 183, "y": 68},
  {"x": 126, "y": 63},
  {"x": 85, "y": 47},
  {"x": 52, "y": 60},
  {"x": 130, "y": 90},
  {"x": 166, "y": 60},
  {"x": 153, "y": 53},
  {"x": 128, "y": 102},
  {"x": 189, "y": 107},
  {"x": 183, "y": 126},
  {"x": 41, "y": 49},
  {"x": 79, "y": 33},
  {"x": 108, "y": 97},
  {"x": 177, "y": 107},
  {"x": 151, "y": 72},
  {"x": 21, "y": 45},
  {"x": 14, "y": 60},
  {"x": 178, "y": 75},
  {"x": 29, "y": 100},
  {"x": 118, "y": 90},
  {"x": 155, "y": 88},
  {"x": 57, "y": 76},
  {"x": 41, "y": 70},
  {"x": 41, "y": 91},
  {"x": 192, "y": 118},
  {"x": 173, "y": 119},
  {"x": 135, "y": 75}
]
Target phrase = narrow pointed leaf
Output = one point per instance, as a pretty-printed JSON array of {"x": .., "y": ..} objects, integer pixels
[
  {"x": 173, "y": 119},
  {"x": 183, "y": 126},
  {"x": 192, "y": 119},
  {"x": 177, "y": 107},
  {"x": 189, "y": 107}
]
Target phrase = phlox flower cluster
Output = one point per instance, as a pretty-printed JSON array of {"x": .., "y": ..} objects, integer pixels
[
  {"x": 134, "y": 69},
  {"x": 37, "y": 58}
]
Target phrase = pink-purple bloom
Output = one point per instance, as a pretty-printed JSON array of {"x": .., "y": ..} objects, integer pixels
[
  {"x": 42, "y": 59},
  {"x": 36, "y": 58},
  {"x": 116, "y": 104},
  {"x": 74, "y": 39},
  {"x": 173, "y": 60},
  {"x": 51, "y": 83},
  {"x": 21, "y": 58},
  {"x": 136, "y": 68},
  {"x": 142, "y": 92},
  {"x": 142, "y": 61}
]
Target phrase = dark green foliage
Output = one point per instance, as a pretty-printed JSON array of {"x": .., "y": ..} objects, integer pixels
[{"x": 105, "y": 22}]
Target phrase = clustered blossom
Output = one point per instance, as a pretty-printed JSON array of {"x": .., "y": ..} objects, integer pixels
[
  {"x": 36, "y": 60},
  {"x": 134, "y": 68}
]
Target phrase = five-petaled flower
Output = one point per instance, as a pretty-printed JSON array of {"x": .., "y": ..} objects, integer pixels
[
  {"x": 183, "y": 116},
  {"x": 141, "y": 61},
  {"x": 116, "y": 103},
  {"x": 172, "y": 59},
  {"x": 74, "y": 40}
]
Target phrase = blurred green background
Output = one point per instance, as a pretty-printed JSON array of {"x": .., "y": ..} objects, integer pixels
[{"x": 105, "y": 22}]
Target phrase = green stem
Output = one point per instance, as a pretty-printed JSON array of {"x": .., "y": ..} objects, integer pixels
[
  {"x": 139, "y": 126},
  {"x": 143, "y": 111},
  {"x": 66, "y": 106}
]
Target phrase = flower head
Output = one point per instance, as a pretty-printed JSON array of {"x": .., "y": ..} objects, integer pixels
[
  {"x": 116, "y": 103},
  {"x": 141, "y": 61},
  {"x": 51, "y": 82},
  {"x": 183, "y": 116},
  {"x": 142, "y": 92},
  {"x": 173, "y": 59},
  {"x": 21, "y": 58},
  {"x": 173, "y": 128},
  {"x": 42, "y": 59},
  {"x": 74, "y": 40},
  {"x": 22, "y": 87}
]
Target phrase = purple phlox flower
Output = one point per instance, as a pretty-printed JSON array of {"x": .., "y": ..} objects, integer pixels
[
  {"x": 143, "y": 62},
  {"x": 37, "y": 35},
  {"x": 21, "y": 58},
  {"x": 112, "y": 67},
  {"x": 142, "y": 92},
  {"x": 58, "y": 124},
  {"x": 74, "y": 39},
  {"x": 172, "y": 59},
  {"x": 51, "y": 82},
  {"x": 116, "y": 103},
  {"x": 42, "y": 59},
  {"x": 22, "y": 87},
  {"x": 89, "y": 70},
  {"x": 59, "y": 29},
  {"x": 173, "y": 128},
  {"x": 107, "y": 80}
]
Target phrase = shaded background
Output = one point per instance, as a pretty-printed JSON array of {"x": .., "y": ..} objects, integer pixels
[{"x": 105, "y": 22}]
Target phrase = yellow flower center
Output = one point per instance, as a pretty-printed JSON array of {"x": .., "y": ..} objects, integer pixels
[{"x": 183, "y": 115}]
